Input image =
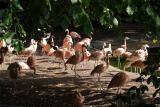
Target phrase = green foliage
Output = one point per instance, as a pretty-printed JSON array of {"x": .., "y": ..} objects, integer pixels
[
  {"x": 153, "y": 63},
  {"x": 9, "y": 26},
  {"x": 25, "y": 17},
  {"x": 8, "y": 37}
]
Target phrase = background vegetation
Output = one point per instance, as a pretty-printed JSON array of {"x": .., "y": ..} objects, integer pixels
[{"x": 21, "y": 19}]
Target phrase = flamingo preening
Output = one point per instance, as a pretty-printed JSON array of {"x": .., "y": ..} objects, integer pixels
[{"x": 73, "y": 35}]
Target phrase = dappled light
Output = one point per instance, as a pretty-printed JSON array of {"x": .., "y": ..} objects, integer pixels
[{"x": 79, "y": 53}]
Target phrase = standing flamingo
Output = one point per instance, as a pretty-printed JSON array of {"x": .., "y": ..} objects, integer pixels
[
  {"x": 75, "y": 59},
  {"x": 98, "y": 55},
  {"x": 109, "y": 49},
  {"x": 120, "y": 51},
  {"x": 73, "y": 34},
  {"x": 119, "y": 80},
  {"x": 137, "y": 57},
  {"x": 101, "y": 67},
  {"x": 67, "y": 42},
  {"x": 137, "y": 64},
  {"x": 31, "y": 50}
]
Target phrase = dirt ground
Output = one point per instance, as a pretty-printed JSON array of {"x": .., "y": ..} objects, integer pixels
[{"x": 52, "y": 82}]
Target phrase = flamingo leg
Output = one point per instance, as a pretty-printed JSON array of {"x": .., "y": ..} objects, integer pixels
[
  {"x": 65, "y": 66},
  {"x": 95, "y": 63},
  {"x": 135, "y": 69},
  {"x": 140, "y": 70},
  {"x": 118, "y": 62},
  {"x": 74, "y": 41},
  {"x": 14, "y": 87},
  {"x": 118, "y": 90},
  {"x": 59, "y": 64},
  {"x": 72, "y": 67},
  {"x": 131, "y": 69},
  {"x": 1, "y": 65},
  {"x": 97, "y": 82},
  {"x": 76, "y": 72},
  {"x": 98, "y": 77},
  {"x": 64, "y": 62}
]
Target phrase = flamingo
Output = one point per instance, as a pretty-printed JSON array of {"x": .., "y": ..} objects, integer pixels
[
  {"x": 137, "y": 57},
  {"x": 11, "y": 49},
  {"x": 98, "y": 55},
  {"x": 119, "y": 80},
  {"x": 29, "y": 65},
  {"x": 120, "y": 51},
  {"x": 101, "y": 67},
  {"x": 137, "y": 64},
  {"x": 14, "y": 69},
  {"x": 127, "y": 54},
  {"x": 140, "y": 54},
  {"x": 73, "y": 34},
  {"x": 109, "y": 49},
  {"x": 62, "y": 53},
  {"x": 51, "y": 40},
  {"x": 46, "y": 46},
  {"x": 75, "y": 59},
  {"x": 74, "y": 99},
  {"x": 59, "y": 53},
  {"x": 85, "y": 41},
  {"x": 69, "y": 53},
  {"x": 67, "y": 42},
  {"x": 31, "y": 62},
  {"x": 31, "y": 49},
  {"x": 1, "y": 58},
  {"x": 2, "y": 43}
]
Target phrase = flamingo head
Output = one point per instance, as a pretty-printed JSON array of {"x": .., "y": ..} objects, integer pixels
[
  {"x": 43, "y": 42},
  {"x": 67, "y": 30},
  {"x": 10, "y": 48},
  {"x": 144, "y": 47},
  {"x": 126, "y": 38},
  {"x": 104, "y": 45}
]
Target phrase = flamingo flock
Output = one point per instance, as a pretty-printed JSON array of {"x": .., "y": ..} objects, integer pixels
[{"x": 74, "y": 51}]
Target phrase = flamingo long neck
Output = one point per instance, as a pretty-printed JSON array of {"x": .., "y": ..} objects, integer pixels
[
  {"x": 2, "y": 55},
  {"x": 109, "y": 46},
  {"x": 4, "y": 43},
  {"x": 90, "y": 37},
  {"x": 107, "y": 61},
  {"x": 82, "y": 53},
  {"x": 67, "y": 31},
  {"x": 104, "y": 53},
  {"x": 125, "y": 44}
]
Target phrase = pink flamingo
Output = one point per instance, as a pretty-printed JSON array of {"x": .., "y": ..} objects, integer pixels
[{"x": 120, "y": 51}]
